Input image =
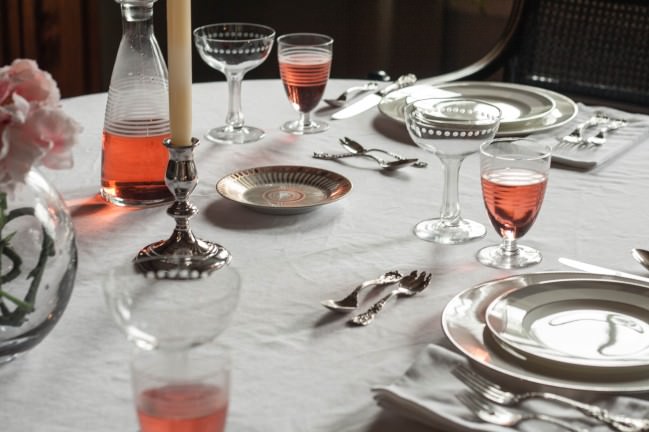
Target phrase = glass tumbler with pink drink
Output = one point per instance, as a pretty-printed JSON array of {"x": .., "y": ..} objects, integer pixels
[
  {"x": 173, "y": 308},
  {"x": 181, "y": 391},
  {"x": 304, "y": 66}
]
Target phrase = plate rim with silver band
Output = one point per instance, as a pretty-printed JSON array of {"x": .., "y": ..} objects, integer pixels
[
  {"x": 314, "y": 177},
  {"x": 564, "y": 111},
  {"x": 464, "y": 325},
  {"x": 512, "y": 316}
]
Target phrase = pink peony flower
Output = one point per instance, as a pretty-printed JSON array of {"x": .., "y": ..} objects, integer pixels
[
  {"x": 34, "y": 130},
  {"x": 23, "y": 77}
]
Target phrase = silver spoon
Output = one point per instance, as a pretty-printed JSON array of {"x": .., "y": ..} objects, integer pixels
[
  {"x": 405, "y": 288},
  {"x": 355, "y": 147},
  {"x": 351, "y": 301},
  {"x": 390, "y": 166},
  {"x": 350, "y": 92},
  {"x": 642, "y": 256}
]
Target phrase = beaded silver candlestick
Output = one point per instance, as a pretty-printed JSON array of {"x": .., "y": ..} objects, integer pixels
[{"x": 181, "y": 179}]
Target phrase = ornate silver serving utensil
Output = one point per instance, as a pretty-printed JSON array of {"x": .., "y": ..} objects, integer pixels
[{"x": 350, "y": 302}]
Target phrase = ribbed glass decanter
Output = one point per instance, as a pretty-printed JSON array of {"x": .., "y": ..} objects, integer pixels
[{"x": 137, "y": 115}]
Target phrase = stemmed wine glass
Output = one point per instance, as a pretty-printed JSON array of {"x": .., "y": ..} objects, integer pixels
[
  {"x": 514, "y": 175},
  {"x": 304, "y": 66},
  {"x": 451, "y": 129},
  {"x": 234, "y": 49},
  {"x": 171, "y": 303}
]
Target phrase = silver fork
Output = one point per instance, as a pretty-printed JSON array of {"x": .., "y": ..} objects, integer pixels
[
  {"x": 576, "y": 137},
  {"x": 600, "y": 138},
  {"x": 498, "y": 415},
  {"x": 357, "y": 148},
  {"x": 350, "y": 302},
  {"x": 391, "y": 165},
  {"x": 409, "y": 289},
  {"x": 497, "y": 394}
]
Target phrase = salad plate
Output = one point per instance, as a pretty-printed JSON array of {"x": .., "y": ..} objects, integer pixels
[
  {"x": 594, "y": 324},
  {"x": 463, "y": 322},
  {"x": 526, "y": 109}
]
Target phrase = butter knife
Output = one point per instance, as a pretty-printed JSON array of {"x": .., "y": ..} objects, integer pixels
[
  {"x": 591, "y": 268},
  {"x": 373, "y": 99}
]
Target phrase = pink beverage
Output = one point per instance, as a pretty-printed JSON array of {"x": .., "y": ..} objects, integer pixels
[
  {"x": 183, "y": 408},
  {"x": 513, "y": 199},
  {"x": 133, "y": 169},
  {"x": 305, "y": 76}
]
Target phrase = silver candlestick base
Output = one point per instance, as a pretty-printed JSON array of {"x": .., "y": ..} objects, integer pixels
[{"x": 181, "y": 179}]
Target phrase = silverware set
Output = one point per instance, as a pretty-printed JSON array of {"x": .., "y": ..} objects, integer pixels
[
  {"x": 501, "y": 416},
  {"x": 408, "y": 286},
  {"x": 355, "y": 149},
  {"x": 488, "y": 393},
  {"x": 581, "y": 138}
]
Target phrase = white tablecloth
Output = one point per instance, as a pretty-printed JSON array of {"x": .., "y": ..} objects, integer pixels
[{"x": 298, "y": 367}]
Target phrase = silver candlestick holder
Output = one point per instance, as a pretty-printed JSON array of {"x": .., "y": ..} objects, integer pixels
[{"x": 181, "y": 179}]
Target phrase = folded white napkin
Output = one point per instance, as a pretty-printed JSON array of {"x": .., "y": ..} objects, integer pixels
[
  {"x": 618, "y": 141},
  {"x": 426, "y": 393}
]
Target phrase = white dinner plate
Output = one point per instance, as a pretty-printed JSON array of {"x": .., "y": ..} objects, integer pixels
[
  {"x": 592, "y": 325},
  {"x": 526, "y": 108},
  {"x": 285, "y": 189},
  {"x": 463, "y": 322}
]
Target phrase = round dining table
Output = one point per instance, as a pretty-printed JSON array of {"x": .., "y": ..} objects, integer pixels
[{"x": 297, "y": 366}]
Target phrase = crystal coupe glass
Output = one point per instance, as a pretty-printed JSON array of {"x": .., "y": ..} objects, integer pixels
[
  {"x": 304, "y": 65},
  {"x": 170, "y": 302},
  {"x": 451, "y": 129},
  {"x": 234, "y": 49},
  {"x": 514, "y": 175}
]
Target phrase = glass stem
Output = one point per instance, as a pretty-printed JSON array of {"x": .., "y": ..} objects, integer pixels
[
  {"x": 234, "y": 119},
  {"x": 305, "y": 120},
  {"x": 450, "y": 212},
  {"x": 509, "y": 247}
]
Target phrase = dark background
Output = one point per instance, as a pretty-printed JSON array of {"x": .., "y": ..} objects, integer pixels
[{"x": 77, "y": 40}]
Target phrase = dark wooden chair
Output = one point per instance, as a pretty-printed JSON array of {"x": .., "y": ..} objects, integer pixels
[{"x": 596, "y": 51}]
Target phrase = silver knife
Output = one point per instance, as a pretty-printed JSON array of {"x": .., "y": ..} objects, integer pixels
[
  {"x": 591, "y": 268},
  {"x": 373, "y": 99}
]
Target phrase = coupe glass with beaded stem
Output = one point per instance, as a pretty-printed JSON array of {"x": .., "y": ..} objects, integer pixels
[
  {"x": 171, "y": 302},
  {"x": 234, "y": 49},
  {"x": 452, "y": 129}
]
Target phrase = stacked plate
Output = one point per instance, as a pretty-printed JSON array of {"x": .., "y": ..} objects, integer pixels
[
  {"x": 525, "y": 109},
  {"x": 574, "y": 331}
]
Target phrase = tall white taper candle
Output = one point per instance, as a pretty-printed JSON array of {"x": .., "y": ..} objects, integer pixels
[{"x": 179, "y": 53}]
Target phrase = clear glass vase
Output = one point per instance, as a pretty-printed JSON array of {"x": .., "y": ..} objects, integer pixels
[
  {"x": 38, "y": 262},
  {"x": 137, "y": 115}
]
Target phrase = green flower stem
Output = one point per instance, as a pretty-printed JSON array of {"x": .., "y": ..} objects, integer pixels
[{"x": 25, "y": 306}]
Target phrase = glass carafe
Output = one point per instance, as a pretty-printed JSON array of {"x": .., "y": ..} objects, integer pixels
[{"x": 137, "y": 115}]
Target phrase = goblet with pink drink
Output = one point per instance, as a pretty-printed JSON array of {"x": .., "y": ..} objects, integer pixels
[
  {"x": 514, "y": 175},
  {"x": 304, "y": 65}
]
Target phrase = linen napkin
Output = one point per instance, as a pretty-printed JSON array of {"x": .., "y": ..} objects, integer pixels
[
  {"x": 617, "y": 142},
  {"x": 426, "y": 393}
]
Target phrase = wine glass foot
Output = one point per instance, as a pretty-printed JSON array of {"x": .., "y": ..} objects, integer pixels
[
  {"x": 439, "y": 231},
  {"x": 494, "y": 256},
  {"x": 296, "y": 128},
  {"x": 230, "y": 135}
]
